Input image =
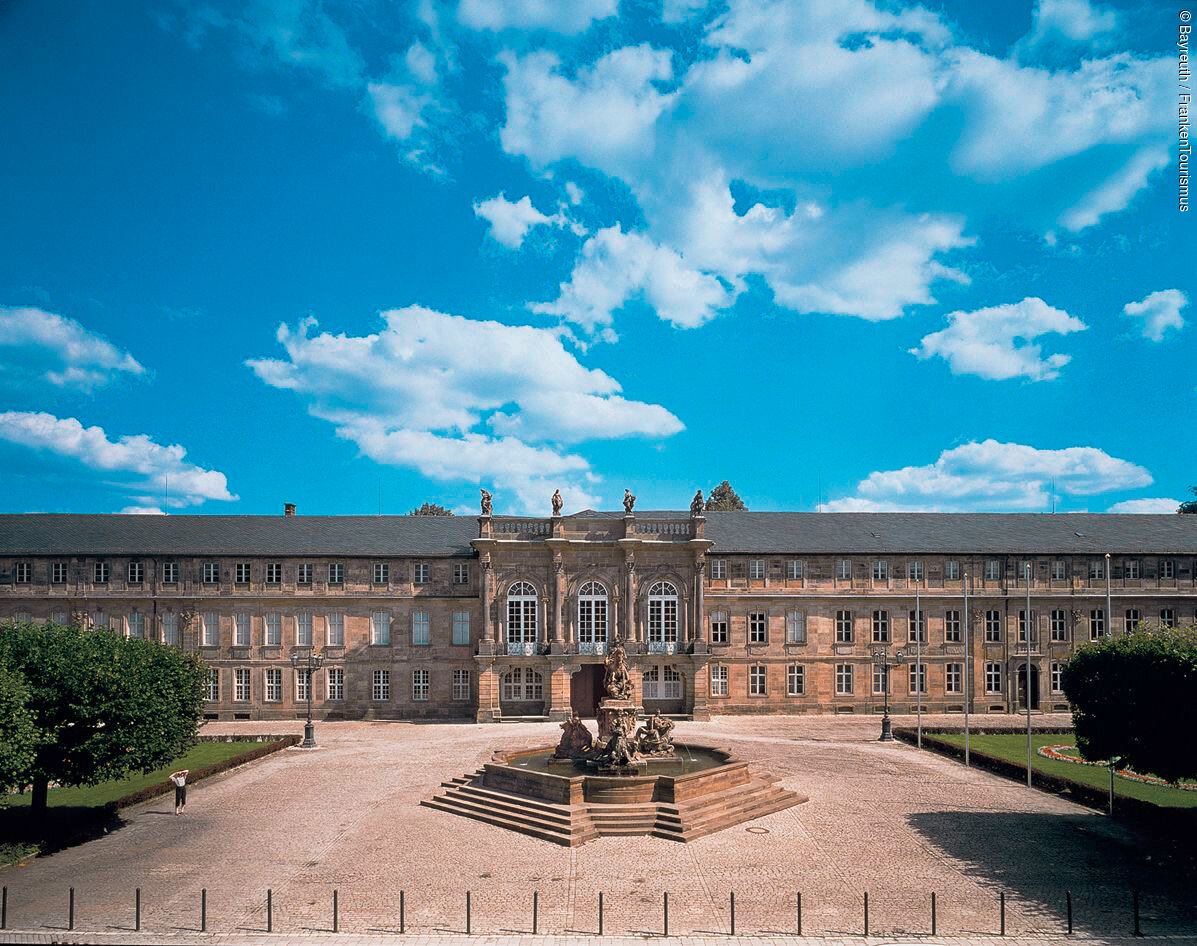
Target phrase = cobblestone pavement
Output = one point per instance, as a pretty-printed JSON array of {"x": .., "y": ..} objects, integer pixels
[{"x": 884, "y": 818}]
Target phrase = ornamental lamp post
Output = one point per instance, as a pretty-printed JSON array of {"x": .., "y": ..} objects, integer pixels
[
  {"x": 881, "y": 655},
  {"x": 307, "y": 662}
]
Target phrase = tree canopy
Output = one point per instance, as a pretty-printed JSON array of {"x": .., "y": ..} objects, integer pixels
[
  {"x": 19, "y": 734},
  {"x": 103, "y": 706},
  {"x": 1189, "y": 507},
  {"x": 723, "y": 498},
  {"x": 430, "y": 509},
  {"x": 1132, "y": 697}
]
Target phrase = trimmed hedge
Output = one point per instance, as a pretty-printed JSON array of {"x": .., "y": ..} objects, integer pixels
[{"x": 166, "y": 787}]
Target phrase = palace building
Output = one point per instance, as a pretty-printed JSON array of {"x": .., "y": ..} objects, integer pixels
[{"x": 499, "y": 617}]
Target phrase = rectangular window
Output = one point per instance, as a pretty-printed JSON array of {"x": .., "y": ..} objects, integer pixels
[
  {"x": 136, "y": 573},
  {"x": 953, "y": 678},
  {"x": 843, "y": 569},
  {"x": 211, "y": 573},
  {"x": 1059, "y": 570},
  {"x": 719, "y": 627},
  {"x": 993, "y": 627},
  {"x": 993, "y": 569},
  {"x": 756, "y": 569},
  {"x": 756, "y": 680},
  {"x": 1097, "y": 569},
  {"x": 211, "y": 629},
  {"x": 951, "y": 570},
  {"x": 382, "y": 573},
  {"x": 419, "y": 686},
  {"x": 1059, "y": 625},
  {"x": 1167, "y": 617},
  {"x": 241, "y": 573},
  {"x": 274, "y": 685},
  {"x": 1167, "y": 569},
  {"x": 1057, "y": 676},
  {"x": 100, "y": 573},
  {"x": 303, "y": 574},
  {"x": 336, "y": 574},
  {"x": 880, "y": 627},
  {"x": 274, "y": 573},
  {"x": 420, "y": 573},
  {"x": 880, "y": 570},
  {"x": 795, "y": 680},
  {"x": 914, "y": 571},
  {"x": 758, "y": 628},
  {"x": 22, "y": 573},
  {"x": 795, "y": 627},
  {"x": 993, "y": 677},
  {"x": 335, "y": 629},
  {"x": 170, "y": 573},
  {"x": 137, "y": 625},
  {"x": 843, "y": 627},
  {"x": 303, "y": 629},
  {"x": 718, "y": 569},
  {"x": 336, "y": 683},
  {"x": 461, "y": 684},
  {"x": 843, "y": 679},
  {"x": 461, "y": 576},
  {"x": 380, "y": 688},
  {"x": 794, "y": 570},
  {"x": 100, "y": 619},
  {"x": 213, "y": 685},
  {"x": 241, "y": 630},
  {"x": 1130, "y": 569},
  {"x": 274, "y": 629},
  {"x": 951, "y": 626},
  {"x": 1025, "y": 627},
  {"x": 718, "y": 681},
  {"x": 918, "y": 678},
  {"x": 58, "y": 573},
  {"x": 461, "y": 627},
  {"x": 880, "y": 678},
  {"x": 170, "y": 629},
  {"x": 61, "y": 618},
  {"x": 917, "y": 622},
  {"x": 241, "y": 685},
  {"x": 1133, "y": 617},
  {"x": 421, "y": 629},
  {"x": 380, "y": 627},
  {"x": 303, "y": 686},
  {"x": 1097, "y": 624}
]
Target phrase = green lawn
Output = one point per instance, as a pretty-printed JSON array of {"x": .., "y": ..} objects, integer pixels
[
  {"x": 94, "y": 796},
  {"x": 1013, "y": 748}
]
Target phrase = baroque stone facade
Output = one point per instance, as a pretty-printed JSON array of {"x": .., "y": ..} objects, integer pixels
[{"x": 500, "y": 617}]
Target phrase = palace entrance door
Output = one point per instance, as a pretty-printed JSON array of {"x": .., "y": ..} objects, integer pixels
[
  {"x": 586, "y": 689},
  {"x": 1022, "y": 687}
]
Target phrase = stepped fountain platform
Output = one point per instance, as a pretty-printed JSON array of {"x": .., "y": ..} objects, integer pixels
[{"x": 698, "y": 792}]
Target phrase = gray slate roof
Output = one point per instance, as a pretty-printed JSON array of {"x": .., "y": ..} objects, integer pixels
[{"x": 763, "y": 532}]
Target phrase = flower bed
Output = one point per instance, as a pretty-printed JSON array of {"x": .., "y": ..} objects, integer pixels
[{"x": 1055, "y": 752}]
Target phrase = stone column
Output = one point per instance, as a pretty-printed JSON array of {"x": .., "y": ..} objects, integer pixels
[
  {"x": 700, "y": 622},
  {"x": 488, "y": 630},
  {"x": 630, "y": 630},
  {"x": 558, "y": 599}
]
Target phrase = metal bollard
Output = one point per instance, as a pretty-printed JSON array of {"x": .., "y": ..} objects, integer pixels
[
  {"x": 467, "y": 913},
  {"x": 600, "y": 929},
  {"x": 4, "y": 909},
  {"x": 866, "y": 932},
  {"x": 336, "y": 918},
  {"x": 666, "y": 932},
  {"x": 1135, "y": 902},
  {"x": 733, "y": 913},
  {"x": 204, "y": 910},
  {"x": 535, "y": 909},
  {"x": 402, "y": 918},
  {"x": 933, "y": 913},
  {"x": 1002, "y": 908},
  {"x": 137, "y": 909},
  {"x": 71, "y": 911},
  {"x": 799, "y": 912},
  {"x": 269, "y": 910},
  {"x": 1068, "y": 907}
]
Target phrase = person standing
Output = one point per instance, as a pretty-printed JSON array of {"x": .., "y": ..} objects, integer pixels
[{"x": 179, "y": 780}]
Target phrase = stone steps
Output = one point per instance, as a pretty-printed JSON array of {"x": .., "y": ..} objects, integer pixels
[{"x": 557, "y": 823}]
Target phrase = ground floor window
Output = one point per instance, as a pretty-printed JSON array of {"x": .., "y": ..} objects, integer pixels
[
  {"x": 336, "y": 629},
  {"x": 136, "y": 625},
  {"x": 918, "y": 678},
  {"x": 758, "y": 628},
  {"x": 1168, "y": 617},
  {"x": 461, "y": 684},
  {"x": 336, "y": 683},
  {"x": 419, "y": 685},
  {"x": 523, "y": 685},
  {"x": 241, "y": 685},
  {"x": 843, "y": 627},
  {"x": 880, "y": 627},
  {"x": 1133, "y": 617},
  {"x": 953, "y": 678},
  {"x": 381, "y": 687},
  {"x": 211, "y": 629},
  {"x": 951, "y": 626},
  {"x": 662, "y": 683},
  {"x": 303, "y": 685},
  {"x": 170, "y": 629},
  {"x": 1057, "y": 676},
  {"x": 1097, "y": 624},
  {"x": 795, "y": 680},
  {"x": 795, "y": 627},
  {"x": 843, "y": 679},
  {"x": 719, "y": 627},
  {"x": 461, "y": 627},
  {"x": 213, "y": 685},
  {"x": 756, "y": 680},
  {"x": 880, "y": 678},
  {"x": 274, "y": 685},
  {"x": 1059, "y": 625},
  {"x": 993, "y": 678},
  {"x": 718, "y": 681}
]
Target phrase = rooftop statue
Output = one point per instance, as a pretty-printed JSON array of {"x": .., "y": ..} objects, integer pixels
[
  {"x": 696, "y": 504},
  {"x": 557, "y": 502},
  {"x": 628, "y": 501},
  {"x": 485, "y": 501}
]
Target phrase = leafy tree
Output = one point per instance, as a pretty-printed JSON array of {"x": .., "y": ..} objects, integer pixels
[
  {"x": 1132, "y": 697},
  {"x": 106, "y": 706},
  {"x": 430, "y": 509},
  {"x": 19, "y": 734},
  {"x": 1189, "y": 507},
  {"x": 723, "y": 498}
]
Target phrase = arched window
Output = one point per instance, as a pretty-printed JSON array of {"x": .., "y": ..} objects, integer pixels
[
  {"x": 521, "y": 613},
  {"x": 662, "y": 613},
  {"x": 522, "y": 685},
  {"x": 592, "y": 613}
]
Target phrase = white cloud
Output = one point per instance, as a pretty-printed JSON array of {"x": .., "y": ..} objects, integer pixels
[
  {"x": 614, "y": 267},
  {"x": 556, "y": 16},
  {"x": 992, "y": 476},
  {"x": 1069, "y": 22},
  {"x": 510, "y": 221},
  {"x": 998, "y": 342},
  {"x": 1146, "y": 506},
  {"x": 397, "y": 108},
  {"x": 1115, "y": 193},
  {"x": 1159, "y": 311},
  {"x": 137, "y": 462},
  {"x": 297, "y": 33},
  {"x": 576, "y": 194},
  {"x": 417, "y": 394},
  {"x": 35, "y": 344},
  {"x": 142, "y": 511}
]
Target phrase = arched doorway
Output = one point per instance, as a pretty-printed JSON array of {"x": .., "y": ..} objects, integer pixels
[
  {"x": 586, "y": 688},
  {"x": 1022, "y": 687}
]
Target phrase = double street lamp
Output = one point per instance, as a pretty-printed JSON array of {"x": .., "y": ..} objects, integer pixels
[
  {"x": 881, "y": 655},
  {"x": 307, "y": 662}
]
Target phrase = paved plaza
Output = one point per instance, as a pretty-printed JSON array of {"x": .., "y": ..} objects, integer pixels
[{"x": 882, "y": 818}]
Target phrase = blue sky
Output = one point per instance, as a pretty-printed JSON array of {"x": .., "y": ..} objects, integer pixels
[{"x": 845, "y": 255}]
